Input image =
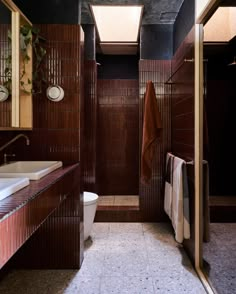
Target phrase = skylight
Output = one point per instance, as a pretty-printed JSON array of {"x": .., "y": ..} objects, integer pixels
[{"x": 117, "y": 23}]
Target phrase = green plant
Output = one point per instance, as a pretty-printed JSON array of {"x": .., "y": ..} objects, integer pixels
[
  {"x": 8, "y": 68},
  {"x": 29, "y": 36}
]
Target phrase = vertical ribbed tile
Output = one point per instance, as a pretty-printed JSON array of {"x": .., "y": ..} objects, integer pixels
[
  {"x": 90, "y": 127},
  {"x": 60, "y": 124},
  {"x": 151, "y": 196},
  {"x": 118, "y": 137},
  {"x": 17, "y": 227},
  {"x": 182, "y": 99},
  {"x": 56, "y": 230},
  {"x": 182, "y": 116}
]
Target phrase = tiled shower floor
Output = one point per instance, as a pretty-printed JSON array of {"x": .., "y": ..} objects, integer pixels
[
  {"x": 132, "y": 258},
  {"x": 118, "y": 202}
]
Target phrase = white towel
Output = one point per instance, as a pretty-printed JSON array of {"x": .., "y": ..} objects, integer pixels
[
  {"x": 180, "y": 201},
  {"x": 168, "y": 185}
]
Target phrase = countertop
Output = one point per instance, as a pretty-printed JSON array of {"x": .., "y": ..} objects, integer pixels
[{"x": 17, "y": 200}]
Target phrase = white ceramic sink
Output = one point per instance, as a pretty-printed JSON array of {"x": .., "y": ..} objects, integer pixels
[
  {"x": 9, "y": 186},
  {"x": 34, "y": 170}
]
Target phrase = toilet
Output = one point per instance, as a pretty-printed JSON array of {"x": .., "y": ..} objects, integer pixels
[{"x": 90, "y": 206}]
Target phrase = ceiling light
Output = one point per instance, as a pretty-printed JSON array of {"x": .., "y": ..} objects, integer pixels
[{"x": 117, "y": 23}]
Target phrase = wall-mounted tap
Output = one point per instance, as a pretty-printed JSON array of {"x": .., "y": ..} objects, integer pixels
[{"x": 14, "y": 139}]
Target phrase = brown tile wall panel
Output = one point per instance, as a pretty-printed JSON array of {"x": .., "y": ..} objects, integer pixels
[
  {"x": 118, "y": 137},
  {"x": 182, "y": 99},
  {"x": 60, "y": 123},
  {"x": 48, "y": 248},
  {"x": 63, "y": 253},
  {"x": 151, "y": 196},
  {"x": 182, "y": 116},
  {"x": 183, "y": 135},
  {"x": 90, "y": 76},
  {"x": 184, "y": 51},
  {"x": 181, "y": 121},
  {"x": 5, "y": 51},
  {"x": 181, "y": 148},
  {"x": 183, "y": 107}
]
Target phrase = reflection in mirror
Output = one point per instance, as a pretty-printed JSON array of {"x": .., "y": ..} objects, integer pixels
[
  {"x": 25, "y": 41},
  {"x": 15, "y": 68},
  {"x": 5, "y": 63},
  {"x": 219, "y": 240}
]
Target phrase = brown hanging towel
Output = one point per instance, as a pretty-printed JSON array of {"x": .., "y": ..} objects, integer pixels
[{"x": 151, "y": 131}]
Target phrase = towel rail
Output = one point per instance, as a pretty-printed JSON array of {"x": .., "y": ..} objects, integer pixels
[{"x": 187, "y": 160}]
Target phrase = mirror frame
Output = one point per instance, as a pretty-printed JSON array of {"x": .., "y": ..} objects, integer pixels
[{"x": 21, "y": 104}]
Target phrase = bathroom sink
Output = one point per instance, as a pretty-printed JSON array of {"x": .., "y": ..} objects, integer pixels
[
  {"x": 34, "y": 170},
  {"x": 9, "y": 186}
]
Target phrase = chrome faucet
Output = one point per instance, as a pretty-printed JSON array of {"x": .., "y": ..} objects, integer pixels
[{"x": 14, "y": 139}]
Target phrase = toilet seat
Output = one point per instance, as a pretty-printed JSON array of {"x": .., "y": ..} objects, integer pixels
[{"x": 90, "y": 198}]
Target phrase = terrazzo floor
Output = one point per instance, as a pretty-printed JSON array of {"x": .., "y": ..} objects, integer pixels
[{"x": 120, "y": 258}]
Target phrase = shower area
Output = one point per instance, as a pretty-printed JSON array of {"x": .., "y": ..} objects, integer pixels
[
  {"x": 117, "y": 147},
  {"x": 112, "y": 135},
  {"x": 113, "y": 106}
]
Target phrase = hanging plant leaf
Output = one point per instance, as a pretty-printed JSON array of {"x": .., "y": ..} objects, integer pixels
[
  {"x": 9, "y": 35},
  {"x": 35, "y": 30},
  {"x": 29, "y": 36}
]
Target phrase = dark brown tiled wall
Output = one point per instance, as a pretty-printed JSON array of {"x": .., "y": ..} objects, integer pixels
[
  {"x": 58, "y": 124},
  {"x": 151, "y": 196},
  {"x": 182, "y": 102},
  {"x": 118, "y": 137},
  {"x": 90, "y": 125},
  {"x": 182, "y": 116}
]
